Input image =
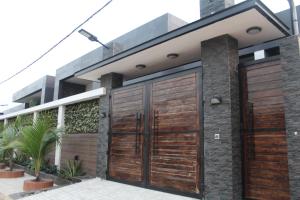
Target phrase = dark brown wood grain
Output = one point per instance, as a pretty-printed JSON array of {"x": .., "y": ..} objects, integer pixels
[
  {"x": 82, "y": 145},
  {"x": 172, "y": 140},
  {"x": 125, "y": 159},
  {"x": 174, "y": 119},
  {"x": 50, "y": 157},
  {"x": 265, "y": 146}
]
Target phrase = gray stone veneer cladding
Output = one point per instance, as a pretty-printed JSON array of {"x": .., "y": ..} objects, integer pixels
[
  {"x": 222, "y": 158},
  {"x": 208, "y": 7},
  {"x": 109, "y": 81},
  {"x": 290, "y": 61}
]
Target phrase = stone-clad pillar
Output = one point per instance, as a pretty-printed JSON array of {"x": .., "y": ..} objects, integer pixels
[
  {"x": 109, "y": 82},
  {"x": 222, "y": 142},
  {"x": 208, "y": 7},
  {"x": 290, "y": 61}
]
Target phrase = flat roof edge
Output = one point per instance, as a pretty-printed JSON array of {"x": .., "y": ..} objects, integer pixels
[{"x": 223, "y": 14}]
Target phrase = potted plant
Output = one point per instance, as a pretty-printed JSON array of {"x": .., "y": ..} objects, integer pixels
[
  {"x": 7, "y": 148},
  {"x": 36, "y": 141}
]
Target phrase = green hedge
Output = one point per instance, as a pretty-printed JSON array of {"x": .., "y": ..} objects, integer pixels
[
  {"x": 26, "y": 119},
  {"x": 51, "y": 114},
  {"x": 11, "y": 120},
  {"x": 82, "y": 117},
  {"x": 1, "y": 126}
]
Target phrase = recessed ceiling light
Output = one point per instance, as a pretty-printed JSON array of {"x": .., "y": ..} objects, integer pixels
[
  {"x": 140, "y": 66},
  {"x": 172, "y": 55},
  {"x": 253, "y": 30}
]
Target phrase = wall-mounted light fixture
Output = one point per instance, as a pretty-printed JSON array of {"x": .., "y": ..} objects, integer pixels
[
  {"x": 91, "y": 37},
  {"x": 254, "y": 30},
  {"x": 103, "y": 115},
  {"x": 215, "y": 100}
]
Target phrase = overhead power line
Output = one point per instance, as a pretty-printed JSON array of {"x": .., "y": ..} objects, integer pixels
[{"x": 58, "y": 43}]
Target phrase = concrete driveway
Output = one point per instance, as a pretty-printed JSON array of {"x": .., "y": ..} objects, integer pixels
[
  {"x": 97, "y": 189},
  {"x": 10, "y": 186}
]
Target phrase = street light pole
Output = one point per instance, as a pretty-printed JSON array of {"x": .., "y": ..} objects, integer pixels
[{"x": 294, "y": 17}]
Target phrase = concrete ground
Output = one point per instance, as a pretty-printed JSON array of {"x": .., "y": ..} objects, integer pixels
[
  {"x": 13, "y": 185},
  {"x": 97, "y": 189},
  {"x": 10, "y": 186}
]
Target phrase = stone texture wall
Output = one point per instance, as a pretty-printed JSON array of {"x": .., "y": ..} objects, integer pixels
[
  {"x": 290, "y": 60},
  {"x": 208, "y": 7},
  {"x": 82, "y": 145},
  {"x": 222, "y": 157},
  {"x": 109, "y": 81}
]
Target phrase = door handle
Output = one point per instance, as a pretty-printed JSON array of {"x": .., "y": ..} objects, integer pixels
[
  {"x": 155, "y": 132},
  {"x": 138, "y": 124}
]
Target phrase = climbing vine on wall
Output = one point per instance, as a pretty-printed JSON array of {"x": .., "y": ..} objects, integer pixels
[
  {"x": 1, "y": 126},
  {"x": 11, "y": 120},
  {"x": 26, "y": 119},
  {"x": 82, "y": 117},
  {"x": 51, "y": 114}
]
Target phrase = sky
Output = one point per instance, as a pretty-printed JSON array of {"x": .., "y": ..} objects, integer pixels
[{"x": 29, "y": 28}]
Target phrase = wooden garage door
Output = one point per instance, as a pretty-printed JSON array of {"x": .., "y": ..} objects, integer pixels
[
  {"x": 174, "y": 141},
  {"x": 127, "y": 134},
  {"x": 155, "y": 131},
  {"x": 265, "y": 147}
]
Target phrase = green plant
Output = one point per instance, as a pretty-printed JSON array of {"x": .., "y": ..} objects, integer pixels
[
  {"x": 1, "y": 127},
  {"x": 49, "y": 168},
  {"x": 2, "y": 157},
  {"x": 11, "y": 120},
  {"x": 73, "y": 169},
  {"x": 21, "y": 159},
  {"x": 7, "y": 143},
  {"x": 51, "y": 115},
  {"x": 82, "y": 117},
  {"x": 45, "y": 167},
  {"x": 25, "y": 120},
  {"x": 36, "y": 140}
]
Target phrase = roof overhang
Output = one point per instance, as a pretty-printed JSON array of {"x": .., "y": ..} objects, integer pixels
[
  {"x": 36, "y": 96},
  {"x": 186, "y": 41}
]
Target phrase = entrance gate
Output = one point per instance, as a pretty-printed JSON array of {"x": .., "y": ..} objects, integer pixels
[
  {"x": 265, "y": 146},
  {"x": 155, "y": 133}
]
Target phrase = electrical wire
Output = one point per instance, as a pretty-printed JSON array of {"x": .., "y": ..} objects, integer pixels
[{"x": 58, "y": 43}]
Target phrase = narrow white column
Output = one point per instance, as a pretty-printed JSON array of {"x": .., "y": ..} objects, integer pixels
[
  {"x": 60, "y": 124},
  {"x": 35, "y": 116},
  {"x": 5, "y": 121}
]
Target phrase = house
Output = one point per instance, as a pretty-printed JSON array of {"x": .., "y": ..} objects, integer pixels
[{"x": 207, "y": 109}]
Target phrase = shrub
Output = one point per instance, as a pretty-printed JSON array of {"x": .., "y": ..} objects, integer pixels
[
  {"x": 73, "y": 169},
  {"x": 36, "y": 140}
]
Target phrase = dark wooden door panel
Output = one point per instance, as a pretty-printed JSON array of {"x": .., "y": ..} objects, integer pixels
[
  {"x": 127, "y": 134},
  {"x": 174, "y": 128},
  {"x": 170, "y": 137},
  {"x": 265, "y": 147}
]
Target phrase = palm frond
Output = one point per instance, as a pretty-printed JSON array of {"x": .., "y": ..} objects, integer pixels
[{"x": 36, "y": 140}]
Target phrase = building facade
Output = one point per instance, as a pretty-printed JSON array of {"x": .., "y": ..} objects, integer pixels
[{"x": 208, "y": 109}]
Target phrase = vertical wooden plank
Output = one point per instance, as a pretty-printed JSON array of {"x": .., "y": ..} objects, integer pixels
[
  {"x": 174, "y": 141},
  {"x": 265, "y": 147},
  {"x": 127, "y": 134}
]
